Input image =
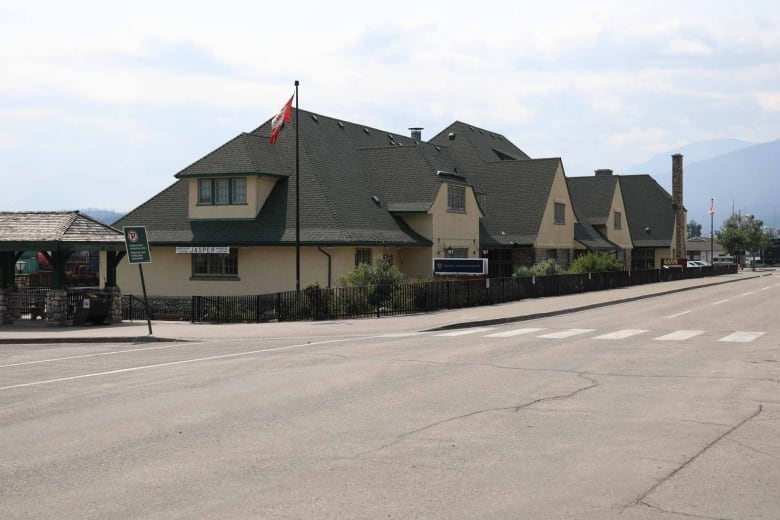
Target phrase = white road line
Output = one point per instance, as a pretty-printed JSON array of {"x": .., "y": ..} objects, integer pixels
[
  {"x": 677, "y": 315},
  {"x": 182, "y": 362},
  {"x": 747, "y": 293},
  {"x": 766, "y": 288},
  {"x": 621, "y": 334},
  {"x": 680, "y": 335},
  {"x": 566, "y": 333},
  {"x": 720, "y": 301},
  {"x": 401, "y": 334},
  {"x": 514, "y": 332},
  {"x": 114, "y": 352},
  {"x": 464, "y": 332},
  {"x": 741, "y": 336}
]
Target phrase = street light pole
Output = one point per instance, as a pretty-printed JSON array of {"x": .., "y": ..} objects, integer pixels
[{"x": 712, "y": 232}]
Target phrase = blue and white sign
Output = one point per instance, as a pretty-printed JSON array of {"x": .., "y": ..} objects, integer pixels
[{"x": 467, "y": 266}]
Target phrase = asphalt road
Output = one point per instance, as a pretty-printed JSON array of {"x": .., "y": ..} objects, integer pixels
[{"x": 665, "y": 408}]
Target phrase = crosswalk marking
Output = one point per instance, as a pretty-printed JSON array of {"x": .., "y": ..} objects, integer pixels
[
  {"x": 464, "y": 332},
  {"x": 680, "y": 335},
  {"x": 514, "y": 332},
  {"x": 565, "y": 333},
  {"x": 621, "y": 334},
  {"x": 741, "y": 337}
]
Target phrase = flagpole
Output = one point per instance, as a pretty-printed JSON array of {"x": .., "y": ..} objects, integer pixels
[{"x": 297, "y": 201}]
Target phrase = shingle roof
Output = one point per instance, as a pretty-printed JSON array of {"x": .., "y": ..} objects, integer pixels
[
  {"x": 589, "y": 236},
  {"x": 485, "y": 145},
  {"x": 592, "y": 197},
  {"x": 245, "y": 154},
  {"x": 516, "y": 194},
  {"x": 515, "y": 187},
  {"x": 56, "y": 231},
  {"x": 337, "y": 183},
  {"x": 355, "y": 181},
  {"x": 649, "y": 211}
]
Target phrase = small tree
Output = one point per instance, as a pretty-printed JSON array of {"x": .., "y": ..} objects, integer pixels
[
  {"x": 365, "y": 275},
  {"x": 694, "y": 229},
  {"x": 743, "y": 233},
  {"x": 378, "y": 278}
]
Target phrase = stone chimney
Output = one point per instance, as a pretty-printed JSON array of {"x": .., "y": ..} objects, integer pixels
[
  {"x": 416, "y": 133},
  {"x": 603, "y": 172},
  {"x": 681, "y": 227}
]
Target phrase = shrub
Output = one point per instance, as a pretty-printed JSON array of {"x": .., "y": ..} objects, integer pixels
[
  {"x": 594, "y": 263},
  {"x": 543, "y": 268},
  {"x": 364, "y": 275}
]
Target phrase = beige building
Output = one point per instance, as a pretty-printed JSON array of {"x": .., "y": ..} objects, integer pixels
[{"x": 229, "y": 224}]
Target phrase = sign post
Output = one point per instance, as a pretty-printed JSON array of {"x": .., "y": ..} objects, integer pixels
[{"x": 137, "y": 246}]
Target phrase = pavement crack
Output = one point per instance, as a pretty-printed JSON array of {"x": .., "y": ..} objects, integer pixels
[
  {"x": 751, "y": 448},
  {"x": 516, "y": 408},
  {"x": 678, "y": 513},
  {"x": 642, "y": 498}
]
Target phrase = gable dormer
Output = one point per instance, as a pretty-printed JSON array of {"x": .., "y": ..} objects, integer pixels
[
  {"x": 234, "y": 181},
  {"x": 228, "y": 197}
]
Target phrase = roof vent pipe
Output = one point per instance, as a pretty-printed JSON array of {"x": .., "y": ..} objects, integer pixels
[
  {"x": 603, "y": 172},
  {"x": 416, "y": 133}
]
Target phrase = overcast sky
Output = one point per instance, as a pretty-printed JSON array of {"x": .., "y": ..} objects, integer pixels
[{"x": 102, "y": 102}]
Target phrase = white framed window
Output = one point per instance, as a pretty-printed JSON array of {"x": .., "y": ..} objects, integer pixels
[{"x": 456, "y": 198}]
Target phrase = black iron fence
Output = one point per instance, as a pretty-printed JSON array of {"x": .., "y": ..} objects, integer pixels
[
  {"x": 412, "y": 298},
  {"x": 159, "y": 308}
]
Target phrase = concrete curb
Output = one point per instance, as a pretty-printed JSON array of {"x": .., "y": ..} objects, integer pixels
[{"x": 85, "y": 339}]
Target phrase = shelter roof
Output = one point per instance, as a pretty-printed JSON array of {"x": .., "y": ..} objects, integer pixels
[{"x": 56, "y": 231}]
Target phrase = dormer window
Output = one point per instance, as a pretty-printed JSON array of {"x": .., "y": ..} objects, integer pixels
[
  {"x": 456, "y": 198},
  {"x": 222, "y": 191}
]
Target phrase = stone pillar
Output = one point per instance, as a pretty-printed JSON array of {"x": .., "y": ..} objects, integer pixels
[
  {"x": 681, "y": 227},
  {"x": 115, "y": 301},
  {"x": 6, "y": 316},
  {"x": 57, "y": 304}
]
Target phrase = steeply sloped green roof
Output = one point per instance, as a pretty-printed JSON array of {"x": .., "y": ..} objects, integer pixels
[
  {"x": 592, "y": 197},
  {"x": 649, "y": 211}
]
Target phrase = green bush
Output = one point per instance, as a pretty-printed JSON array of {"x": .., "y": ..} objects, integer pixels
[
  {"x": 379, "y": 280},
  {"x": 544, "y": 268},
  {"x": 364, "y": 275},
  {"x": 593, "y": 263}
]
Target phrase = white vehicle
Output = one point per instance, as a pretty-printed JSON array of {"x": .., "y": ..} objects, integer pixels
[{"x": 697, "y": 264}]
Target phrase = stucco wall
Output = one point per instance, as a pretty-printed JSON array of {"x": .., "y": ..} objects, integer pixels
[
  {"x": 455, "y": 229},
  {"x": 260, "y": 270},
  {"x": 552, "y": 235},
  {"x": 621, "y": 237}
]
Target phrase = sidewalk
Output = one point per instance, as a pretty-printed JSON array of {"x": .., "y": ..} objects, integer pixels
[{"x": 24, "y": 331}]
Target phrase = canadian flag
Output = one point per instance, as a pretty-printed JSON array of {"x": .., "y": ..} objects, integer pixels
[{"x": 277, "y": 123}]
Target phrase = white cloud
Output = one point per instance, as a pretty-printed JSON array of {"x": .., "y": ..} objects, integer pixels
[{"x": 600, "y": 84}]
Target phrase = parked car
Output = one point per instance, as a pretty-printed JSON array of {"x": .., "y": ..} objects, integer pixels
[{"x": 697, "y": 264}]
